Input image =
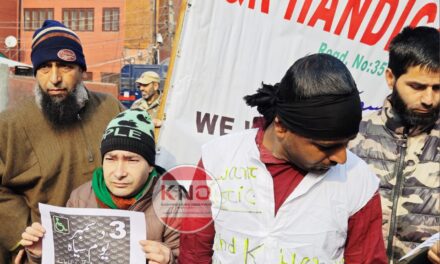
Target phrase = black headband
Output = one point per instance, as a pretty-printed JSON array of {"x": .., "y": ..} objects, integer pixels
[{"x": 327, "y": 117}]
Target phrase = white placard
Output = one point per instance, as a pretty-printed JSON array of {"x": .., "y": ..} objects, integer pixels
[
  {"x": 228, "y": 47},
  {"x": 428, "y": 243},
  {"x": 91, "y": 235}
]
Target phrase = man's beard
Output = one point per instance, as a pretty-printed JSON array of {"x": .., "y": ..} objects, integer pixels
[
  {"x": 149, "y": 96},
  {"x": 408, "y": 116},
  {"x": 62, "y": 111}
]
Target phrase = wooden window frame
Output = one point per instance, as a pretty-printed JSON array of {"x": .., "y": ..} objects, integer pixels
[
  {"x": 74, "y": 23},
  {"x": 111, "y": 20},
  {"x": 35, "y": 23}
]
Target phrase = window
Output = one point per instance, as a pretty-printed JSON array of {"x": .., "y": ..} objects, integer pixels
[
  {"x": 78, "y": 19},
  {"x": 110, "y": 19},
  {"x": 34, "y": 17}
]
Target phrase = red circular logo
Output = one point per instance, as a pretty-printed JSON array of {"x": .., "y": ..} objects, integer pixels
[
  {"x": 66, "y": 55},
  {"x": 184, "y": 196}
]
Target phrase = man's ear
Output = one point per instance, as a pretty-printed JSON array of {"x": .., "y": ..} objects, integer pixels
[
  {"x": 390, "y": 78},
  {"x": 84, "y": 75},
  {"x": 279, "y": 129},
  {"x": 156, "y": 86}
]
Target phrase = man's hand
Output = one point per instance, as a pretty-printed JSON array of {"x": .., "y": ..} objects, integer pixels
[
  {"x": 20, "y": 257},
  {"x": 155, "y": 252},
  {"x": 157, "y": 122},
  {"x": 32, "y": 237},
  {"x": 434, "y": 253}
]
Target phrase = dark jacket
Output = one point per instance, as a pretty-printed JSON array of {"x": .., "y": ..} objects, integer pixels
[{"x": 408, "y": 164}]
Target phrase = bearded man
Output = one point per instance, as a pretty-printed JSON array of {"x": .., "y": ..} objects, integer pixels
[
  {"x": 401, "y": 143},
  {"x": 49, "y": 145},
  {"x": 149, "y": 84}
]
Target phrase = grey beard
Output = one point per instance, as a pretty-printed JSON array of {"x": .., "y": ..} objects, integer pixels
[{"x": 62, "y": 111}]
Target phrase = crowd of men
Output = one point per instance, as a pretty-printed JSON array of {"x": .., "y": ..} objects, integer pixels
[{"x": 328, "y": 186}]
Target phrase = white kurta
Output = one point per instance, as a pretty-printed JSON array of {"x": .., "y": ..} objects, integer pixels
[{"x": 311, "y": 225}]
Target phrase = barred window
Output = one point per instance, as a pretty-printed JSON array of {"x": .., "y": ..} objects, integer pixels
[
  {"x": 79, "y": 19},
  {"x": 110, "y": 19},
  {"x": 34, "y": 17}
]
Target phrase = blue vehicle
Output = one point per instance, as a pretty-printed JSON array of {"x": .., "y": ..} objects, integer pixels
[{"x": 128, "y": 92}]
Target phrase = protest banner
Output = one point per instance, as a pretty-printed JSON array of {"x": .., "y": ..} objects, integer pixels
[{"x": 227, "y": 48}]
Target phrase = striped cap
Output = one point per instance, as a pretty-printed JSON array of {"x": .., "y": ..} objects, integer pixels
[
  {"x": 131, "y": 130},
  {"x": 55, "y": 42}
]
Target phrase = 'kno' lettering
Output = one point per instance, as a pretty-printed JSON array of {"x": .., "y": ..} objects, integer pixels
[{"x": 201, "y": 192}]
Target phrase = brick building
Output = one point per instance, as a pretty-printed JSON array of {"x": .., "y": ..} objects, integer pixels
[
  {"x": 113, "y": 32},
  {"x": 9, "y": 33},
  {"x": 150, "y": 28},
  {"x": 98, "y": 24}
]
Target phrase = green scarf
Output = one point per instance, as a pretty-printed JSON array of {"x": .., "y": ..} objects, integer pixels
[{"x": 104, "y": 195}]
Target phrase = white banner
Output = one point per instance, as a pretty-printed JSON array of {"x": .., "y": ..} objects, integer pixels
[{"x": 229, "y": 47}]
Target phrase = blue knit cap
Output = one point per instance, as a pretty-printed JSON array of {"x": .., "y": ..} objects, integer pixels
[{"x": 55, "y": 42}]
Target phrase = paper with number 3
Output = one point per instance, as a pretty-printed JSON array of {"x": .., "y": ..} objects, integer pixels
[{"x": 92, "y": 235}]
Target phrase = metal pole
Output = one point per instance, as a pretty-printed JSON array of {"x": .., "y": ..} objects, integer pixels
[
  {"x": 4, "y": 83},
  {"x": 19, "y": 30},
  {"x": 156, "y": 2}
]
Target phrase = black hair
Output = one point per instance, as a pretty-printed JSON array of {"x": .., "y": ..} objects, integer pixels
[
  {"x": 414, "y": 46},
  {"x": 309, "y": 77}
]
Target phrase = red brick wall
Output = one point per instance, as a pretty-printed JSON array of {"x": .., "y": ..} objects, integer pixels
[
  {"x": 9, "y": 27},
  {"x": 20, "y": 87}
]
